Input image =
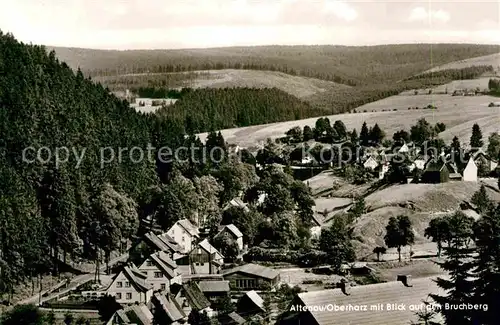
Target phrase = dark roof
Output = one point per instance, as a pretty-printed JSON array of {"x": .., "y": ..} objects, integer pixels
[
  {"x": 139, "y": 313},
  {"x": 435, "y": 165},
  {"x": 136, "y": 278},
  {"x": 163, "y": 266},
  {"x": 214, "y": 286},
  {"x": 162, "y": 242},
  {"x": 170, "y": 306},
  {"x": 195, "y": 297},
  {"x": 254, "y": 269},
  {"x": 368, "y": 295}
]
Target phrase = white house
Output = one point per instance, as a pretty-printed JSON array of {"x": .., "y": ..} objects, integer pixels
[
  {"x": 130, "y": 286},
  {"x": 470, "y": 171},
  {"x": 234, "y": 233},
  {"x": 161, "y": 271},
  {"x": 185, "y": 234},
  {"x": 420, "y": 162},
  {"x": 371, "y": 163},
  {"x": 404, "y": 149},
  {"x": 202, "y": 259}
]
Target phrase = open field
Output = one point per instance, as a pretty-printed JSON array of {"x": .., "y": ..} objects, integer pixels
[
  {"x": 427, "y": 197},
  {"x": 416, "y": 268},
  {"x": 457, "y": 112},
  {"x": 492, "y": 59}
]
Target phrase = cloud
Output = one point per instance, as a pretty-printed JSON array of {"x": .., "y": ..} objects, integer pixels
[
  {"x": 422, "y": 14},
  {"x": 341, "y": 9}
]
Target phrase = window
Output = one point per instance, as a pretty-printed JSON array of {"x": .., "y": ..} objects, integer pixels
[
  {"x": 119, "y": 284},
  {"x": 129, "y": 295},
  {"x": 183, "y": 239},
  {"x": 127, "y": 284},
  {"x": 118, "y": 296},
  {"x": 149, "y": 263},
  {"x": 158, "y": 275},
  {"x": 163, "y": 286}
]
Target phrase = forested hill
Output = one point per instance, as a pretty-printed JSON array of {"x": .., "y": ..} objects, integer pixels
[
  {"x": 215, "y": 109},
  {"x": 44, "y": 207},
  {"x": 362, "y": 65}
]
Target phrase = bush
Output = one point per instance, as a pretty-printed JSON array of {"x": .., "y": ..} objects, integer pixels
[{"x": 301, "y": 258}]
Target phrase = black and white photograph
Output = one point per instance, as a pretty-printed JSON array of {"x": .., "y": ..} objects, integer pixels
[{"x": 249, "y": 162}]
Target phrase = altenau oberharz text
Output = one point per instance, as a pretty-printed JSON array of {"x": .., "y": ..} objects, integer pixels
[{"x": 329, "y": 307}]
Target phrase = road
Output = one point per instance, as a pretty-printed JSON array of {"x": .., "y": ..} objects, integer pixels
[{"x": 73, "y": 284}]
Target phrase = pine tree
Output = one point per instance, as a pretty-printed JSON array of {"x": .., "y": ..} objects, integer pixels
[
  {"x": 476, "y": 139},
  {"x": 487, "y": 267},
  {"x": 354, "y": 137},
  {"x": 459, "y": 286},
  {"x": 364, "y": 136},
  {"x": 376, "y": 135},
  {"x": 481, "y": 200}
]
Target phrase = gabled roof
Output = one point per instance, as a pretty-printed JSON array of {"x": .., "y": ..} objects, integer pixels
[
  {"x": 189, "y": 227},
  {"x": 170, "y": 306},
  {"x": 435, "y": 165},
  {"x": 214, "y": 286},
  {"x": 136, "y": 278},
  {"x": 368, "y": 295},
  {"x": 237, "y": 202},
  {"x": 140, "y": 313},
  {"x": 170, "y": 242},
  {"x": 153, "y": 239},
  {"x": 255, "y": 298},
  {"x": 195, "y": 296},
  {"x": 232, "y": 229},
  {"x": 121, "y": 315},
  {"x": 164, "y": 267},
  {"x": 205, "y": 245},
  {"x": 254, "y": 269}
]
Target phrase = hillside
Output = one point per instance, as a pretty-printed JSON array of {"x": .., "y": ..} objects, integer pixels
[
  {"x": 363, "y": 65},
  {"x": 392, "y": 114},
  {"x": 492, "y": 59},
  {"x": 227, "y": 78}
]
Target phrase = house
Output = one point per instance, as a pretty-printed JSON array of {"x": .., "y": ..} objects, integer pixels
[
  {"x": 202, "y": 259},
  {"x": 404, "y": 149},
  {"x": 237, "y": 203},
  {"x": 190, "y": 297},
  {"x": 234, "y": 233},
  {"x": 376, "y": 297},
  {"x": 250, "y": 304},
  {"x": 251, "y": 277},
  {"x": 307, "y": 159},
  {"x": 484, "y": 163},
  {"x": 130, "y": 286},
  {"x": 151, "y": 243},
  {"x": 470, "y": 171},
  {"x": 371, "y": 163},
  {"x": 185, "y": 234},
  {"x": 214, "y": 290},
  {"x": 161, "y": 271},
  {"x": 167, "y": 310},
  {"x": 435, "y": 172},
  {"x": 420, "y": 162},
  {"x": 132, "y": 315},
  {"x": 317, "y": 224}
]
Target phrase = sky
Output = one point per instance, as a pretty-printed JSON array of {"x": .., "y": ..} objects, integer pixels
[{"x": 167, "y": 24}]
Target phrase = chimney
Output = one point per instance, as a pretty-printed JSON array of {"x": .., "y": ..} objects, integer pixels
[
  {"x": 405, "y": 279},
  {"x": 345, "y": 287}
]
